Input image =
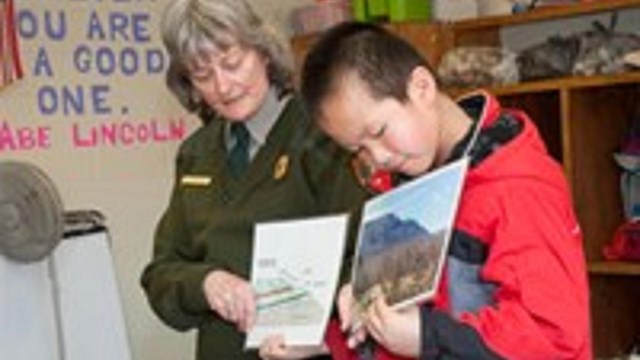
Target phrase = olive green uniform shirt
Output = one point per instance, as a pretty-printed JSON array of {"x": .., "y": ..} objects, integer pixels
[{"x": 209, "y": 222}]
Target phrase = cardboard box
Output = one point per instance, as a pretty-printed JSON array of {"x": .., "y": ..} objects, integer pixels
[
  {"x": 391, "y": 10},
  {"x": 452, "y": 10},
  {"x": 319, "y": 16}
]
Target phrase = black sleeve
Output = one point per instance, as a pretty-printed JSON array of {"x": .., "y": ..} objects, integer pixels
[
  {"x": 444, "y": 338},
  {"x": 172, "y": 280}
]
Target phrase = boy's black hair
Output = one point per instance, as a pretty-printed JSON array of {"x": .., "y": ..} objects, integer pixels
[{"x": 382, "y": 60}]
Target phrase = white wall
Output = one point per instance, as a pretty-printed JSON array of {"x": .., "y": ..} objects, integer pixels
[
  {"x": 129, "y": 183},
  {"x": 277, "y": 12},
  {"x": 522, "y": 36}
]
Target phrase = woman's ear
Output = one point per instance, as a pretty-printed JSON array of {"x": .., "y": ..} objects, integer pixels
[
  {"x": 421, "y": 87},
  {"x": 195, "y": 99}
]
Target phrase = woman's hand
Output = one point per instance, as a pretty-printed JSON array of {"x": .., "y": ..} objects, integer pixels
[
  {"x": 231, "y": 297},
  {"x": 396, "y": 330},
  {"x": 275, "y": 348}
]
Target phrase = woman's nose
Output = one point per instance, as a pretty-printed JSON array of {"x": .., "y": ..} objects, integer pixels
[{"x": 222, "y": 82}]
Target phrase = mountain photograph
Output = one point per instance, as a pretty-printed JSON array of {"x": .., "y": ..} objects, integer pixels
[
  {"x": 398, "y": 257},
  {"x": 403, "y": 238}
]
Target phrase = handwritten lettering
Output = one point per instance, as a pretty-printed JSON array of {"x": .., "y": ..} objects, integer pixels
[
  {"x": 127, "y": 61},
  {"x": 114, "y": 1},
  {"x": 53, "y": 25},
  {"x": 24, "y": 137},
  {"x": 74, "y": 100},
  {"x": 76, "y": 85},
  {"x": 119, "y": 27},
  {"x": 128, "y": 133}
]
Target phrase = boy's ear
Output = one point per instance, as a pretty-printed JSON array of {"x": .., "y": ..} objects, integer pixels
[{"x": 421, "y": 87}]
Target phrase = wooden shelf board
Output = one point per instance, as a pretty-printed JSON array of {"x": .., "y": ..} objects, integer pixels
[
  {"x": 603, "y": 80},
  {"x": 573, "y": 82},
  {"x": 614, "y": 268},
  {"x": 544, "y": 13}
]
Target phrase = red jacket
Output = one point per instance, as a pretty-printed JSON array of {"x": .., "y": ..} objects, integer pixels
[{"x": 515, "y": 284}]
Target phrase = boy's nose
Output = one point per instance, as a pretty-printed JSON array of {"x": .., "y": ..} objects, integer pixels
[{"x": 379, "y": 156}]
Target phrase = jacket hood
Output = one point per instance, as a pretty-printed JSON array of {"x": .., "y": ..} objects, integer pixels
[{"x": 523, "y": 157}]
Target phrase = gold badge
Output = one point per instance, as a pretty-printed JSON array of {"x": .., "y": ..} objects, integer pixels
[
  {"x": 281, "y": 168},
  {"x": 195, "y": 180}
]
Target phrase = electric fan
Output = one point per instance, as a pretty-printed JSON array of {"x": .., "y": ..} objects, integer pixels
[{"x": 31, "y": 212}]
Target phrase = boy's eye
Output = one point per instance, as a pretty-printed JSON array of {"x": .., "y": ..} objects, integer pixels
[
  {"x": 354, "y": 149},
  {"x": 380, "y": 132}
]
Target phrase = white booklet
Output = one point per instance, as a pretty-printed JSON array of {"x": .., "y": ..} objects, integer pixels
[
  {"x": 294, "y": 272},
  {"x": 404, "y": 236}
]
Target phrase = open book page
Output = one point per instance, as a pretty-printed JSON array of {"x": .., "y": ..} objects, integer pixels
[
  {"x": 294, "y": 272},
  {"x": 404, "y": 236}
]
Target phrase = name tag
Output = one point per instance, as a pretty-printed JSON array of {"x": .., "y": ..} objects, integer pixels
[{"x": 195, "y": 180}]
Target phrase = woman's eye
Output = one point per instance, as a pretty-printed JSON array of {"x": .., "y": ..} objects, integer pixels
[
  {"x": 231, "y": 64},
  {"x": 200, "y": 77},
  {"x": 231, "y": 61}
]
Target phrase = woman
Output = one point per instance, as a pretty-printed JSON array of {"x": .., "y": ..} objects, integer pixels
[{"x": 256, "y": 158}]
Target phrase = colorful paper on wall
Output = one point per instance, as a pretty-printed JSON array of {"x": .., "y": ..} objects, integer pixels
[{"x": 10, "y": 64}]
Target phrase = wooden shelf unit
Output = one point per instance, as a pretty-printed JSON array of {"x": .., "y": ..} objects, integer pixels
[
  {"x": 430, "y": 39},
  {"x": 486, "y": 30},
  {"x": 544, "y": 13},
  {"x": 583, "y": 121},
  {"x": 614, "y": 268}
]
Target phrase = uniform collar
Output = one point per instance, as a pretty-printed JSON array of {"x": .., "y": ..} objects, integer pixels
[{"x": 263, "y": 121}]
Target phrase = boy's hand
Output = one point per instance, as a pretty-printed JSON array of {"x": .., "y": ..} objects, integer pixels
[
  {"x": 396, "y": 330},
  {"x": 275, "y": 348},
  {"x": 348, "y": 319},
  {"x": 345, "y": 306}
]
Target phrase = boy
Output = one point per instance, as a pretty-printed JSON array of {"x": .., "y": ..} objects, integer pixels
[{"x": 515, "y": 282}]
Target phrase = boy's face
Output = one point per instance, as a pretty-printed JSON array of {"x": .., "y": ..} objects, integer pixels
[{"x": 383, "y": 133}]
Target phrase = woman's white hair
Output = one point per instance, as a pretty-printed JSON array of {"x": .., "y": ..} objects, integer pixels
[{"x": 191, "y": 28}]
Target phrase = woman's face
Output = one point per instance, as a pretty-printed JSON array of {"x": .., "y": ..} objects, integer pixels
[{"x": 234, "y": 81}]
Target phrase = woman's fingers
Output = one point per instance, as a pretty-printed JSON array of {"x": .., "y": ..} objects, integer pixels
[
  {"x": 272, "y": 347},
  {"x": 231, "y": 297}
]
